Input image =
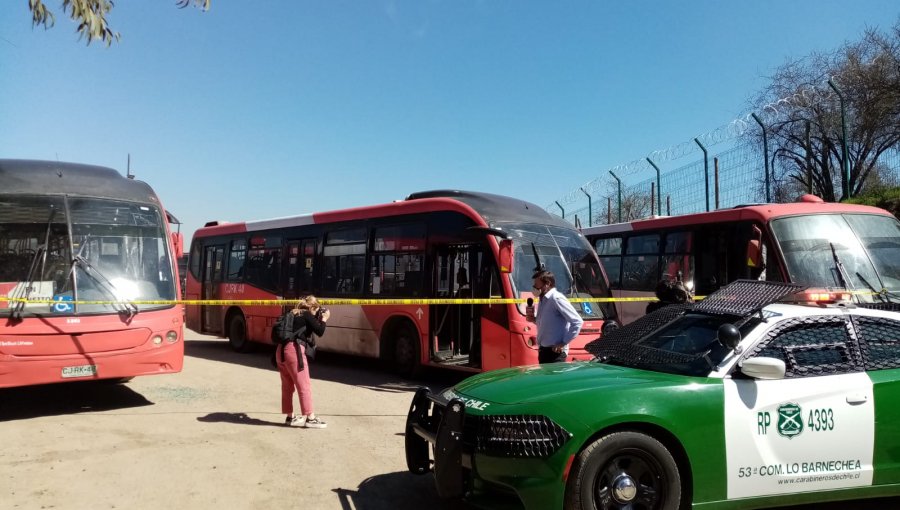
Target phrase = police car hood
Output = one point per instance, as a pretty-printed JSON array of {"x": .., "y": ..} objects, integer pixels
[{"x": 544, "y": 383}]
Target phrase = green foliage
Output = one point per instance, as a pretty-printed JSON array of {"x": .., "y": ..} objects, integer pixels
[
  {"x": 885, "y": 197},
  {"x": 812, "y": 101},
  {"x": 90, "y": 16}
]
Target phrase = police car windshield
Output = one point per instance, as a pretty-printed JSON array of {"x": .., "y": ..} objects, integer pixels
[
  {"x": 686, "y": 345},
  {"x": 866, "y": 245},
  {"x": 568, "y": 255}
]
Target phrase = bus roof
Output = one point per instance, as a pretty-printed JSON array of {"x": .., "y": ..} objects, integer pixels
[
  {"x": 33, "y": 177},
  {"x": 759, "y": 212},
  {"x": 486, "y": 209}
]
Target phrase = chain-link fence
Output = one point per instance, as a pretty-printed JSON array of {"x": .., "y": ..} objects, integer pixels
[{"x": 733, "y": 176}]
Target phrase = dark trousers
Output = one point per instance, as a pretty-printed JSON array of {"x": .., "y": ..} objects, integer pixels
[{"x": 547, "y": 355}]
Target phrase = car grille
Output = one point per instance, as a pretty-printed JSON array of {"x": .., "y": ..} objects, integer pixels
[{"x": 517, "y": 435}]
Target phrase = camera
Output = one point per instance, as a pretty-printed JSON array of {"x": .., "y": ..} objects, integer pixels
[{"x": 321, "y": 311}]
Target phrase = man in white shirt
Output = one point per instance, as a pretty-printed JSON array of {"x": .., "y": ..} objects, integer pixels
[{"x": 557, "y": 321}]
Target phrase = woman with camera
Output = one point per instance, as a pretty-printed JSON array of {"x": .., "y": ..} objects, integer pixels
[{"x": 311, "y": 318}]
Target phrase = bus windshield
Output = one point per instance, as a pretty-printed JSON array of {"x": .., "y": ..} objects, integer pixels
[
  {"x": 563, "y": 252},
  {"x": 81, "y": 249},
  {"x": 853, "y": 251}
]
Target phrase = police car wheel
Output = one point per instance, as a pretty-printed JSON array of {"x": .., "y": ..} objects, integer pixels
[{"x": 624, "y": 470}]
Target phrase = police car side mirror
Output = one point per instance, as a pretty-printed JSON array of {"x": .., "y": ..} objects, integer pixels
[
  {"x": 763, "y": 368},
  {"x": 608, "y": 327},
  {"x": 729, "y": 336}
]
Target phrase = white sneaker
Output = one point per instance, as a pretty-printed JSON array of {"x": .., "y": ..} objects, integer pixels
[
  {"x": 315, "y": 423},
  {"x": 294, "y": 421}
]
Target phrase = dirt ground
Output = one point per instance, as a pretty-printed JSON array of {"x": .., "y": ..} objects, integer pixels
[{"x": 212, "y": 437}]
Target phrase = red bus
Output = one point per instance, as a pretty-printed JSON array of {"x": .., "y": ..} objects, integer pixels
[
  {"x": 81, "y": 249},
  {"x": 822, "y": 245},
  {"x": 436, "y": 244}
]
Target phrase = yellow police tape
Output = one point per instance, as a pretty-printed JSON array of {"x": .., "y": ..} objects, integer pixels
[
  {"x": 335, "y": 301},
  {"x": 322, "y": 301}
]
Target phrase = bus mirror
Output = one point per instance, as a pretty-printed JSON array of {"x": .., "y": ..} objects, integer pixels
[
  {"x": 177, "y": 244},
  {"x": 506, "y": 256},
  {"x": 754, "y": 249}
]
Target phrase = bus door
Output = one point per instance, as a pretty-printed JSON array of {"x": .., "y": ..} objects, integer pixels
[
  {"x": 299, "y": 268},
  {"x": 456, "y": 328},
  {"x": 213, "y": 274}
]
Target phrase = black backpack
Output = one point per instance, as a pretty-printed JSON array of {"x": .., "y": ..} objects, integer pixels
[
  {"x": 283, "y": 330},
  {"x": 283, "y": 333}
]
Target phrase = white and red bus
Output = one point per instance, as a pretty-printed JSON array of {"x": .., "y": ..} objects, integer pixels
[
  {"x": 81, "y": 249},
  {"x": 437, "y": 244},
  {"x": 822, "y": 245}
]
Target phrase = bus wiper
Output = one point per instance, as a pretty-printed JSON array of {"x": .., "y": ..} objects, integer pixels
[
  {"x": 881, "y": 295},
  {"x": 841, "y": 272},
  {"x": 27, "y": 287},
  {"x": 537, "y": 259},
  {"x": 124, "y": 306},
  {"x": 39, "y": 254}
]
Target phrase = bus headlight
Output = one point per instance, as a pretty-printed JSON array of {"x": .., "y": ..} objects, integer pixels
[
  {"x": 172, "y": 336},
  {"x": 157, "y": 340}
]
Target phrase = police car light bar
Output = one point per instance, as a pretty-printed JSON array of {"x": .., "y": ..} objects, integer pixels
[{"x": 820, "y": 297}]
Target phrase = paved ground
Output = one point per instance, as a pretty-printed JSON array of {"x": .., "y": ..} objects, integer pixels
[{"x": 211, "y": 437}]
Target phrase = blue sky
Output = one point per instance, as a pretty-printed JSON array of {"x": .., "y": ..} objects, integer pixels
[{"x": 256, "y": 110}]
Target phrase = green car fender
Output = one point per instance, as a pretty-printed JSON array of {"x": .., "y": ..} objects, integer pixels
[
  {"x": 684, "y": 413},
  {"x": 691, "y": 427}
]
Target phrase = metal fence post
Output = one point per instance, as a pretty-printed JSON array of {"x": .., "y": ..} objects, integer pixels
[
  {"x": 716, "y": 180},
  {"x": 809, "y": 186},
  {"x": 845, "y": 163},
  {"x": 765, "y": 155},
  {"x": 590, "y": 214},
  {"x": 658, "y": 186},
  {"x": 619, "y": 182},
  {"x": 561, "y": 209},
  {"x": 705, "y": 170}
]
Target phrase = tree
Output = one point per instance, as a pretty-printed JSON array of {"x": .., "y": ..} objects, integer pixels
[
  {"x": 885, "y": 197},
  {"x": 90, "y": 16},
  {"x": 636, "y": 204},
  {"x": 804, "y": 114}
]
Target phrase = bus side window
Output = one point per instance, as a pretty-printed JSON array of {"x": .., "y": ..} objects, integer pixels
[
  {"x": 678, "y": 257},
  {"x": 194, "y": 259},
  {"x": 640, "y": 265},
  {"x": 712, "y": 259},
  {"x": 397, "y": 259},
  {"x": 609, "y": 250},
  {"x": 236, "y": 257}
]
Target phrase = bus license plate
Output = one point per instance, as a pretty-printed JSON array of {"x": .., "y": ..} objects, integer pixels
[{"x": 79, "y": 371}]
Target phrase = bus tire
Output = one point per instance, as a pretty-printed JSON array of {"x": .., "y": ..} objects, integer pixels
[
  {"x": 624, "y": 470},
  {"x": 237, "y": 333},
  {"x": 116, "y": 380},
  {"x": 406, "y": 350}
]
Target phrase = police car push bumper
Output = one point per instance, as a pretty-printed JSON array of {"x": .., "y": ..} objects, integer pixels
[
  {"x": 458, "y": 437},
  {"x": 446, "y": 436}
]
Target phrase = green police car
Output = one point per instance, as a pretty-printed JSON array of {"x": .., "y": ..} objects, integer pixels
[{"x": 736, "y": 402}]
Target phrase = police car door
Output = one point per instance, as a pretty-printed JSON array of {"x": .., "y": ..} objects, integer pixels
[
  {"x": 878, "y": 338},
  {"x": 812, "y": 430}
]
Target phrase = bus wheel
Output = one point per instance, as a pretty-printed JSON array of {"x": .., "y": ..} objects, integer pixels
[
  {"x": 624, "y": 470},
  {"x": 117, "y": 380},
  {"x": 406, "y": 351},
  {"x": 237, "y": 334}
]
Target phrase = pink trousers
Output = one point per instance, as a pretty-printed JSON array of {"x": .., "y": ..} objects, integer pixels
[{"x": 291, "y": 379}]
